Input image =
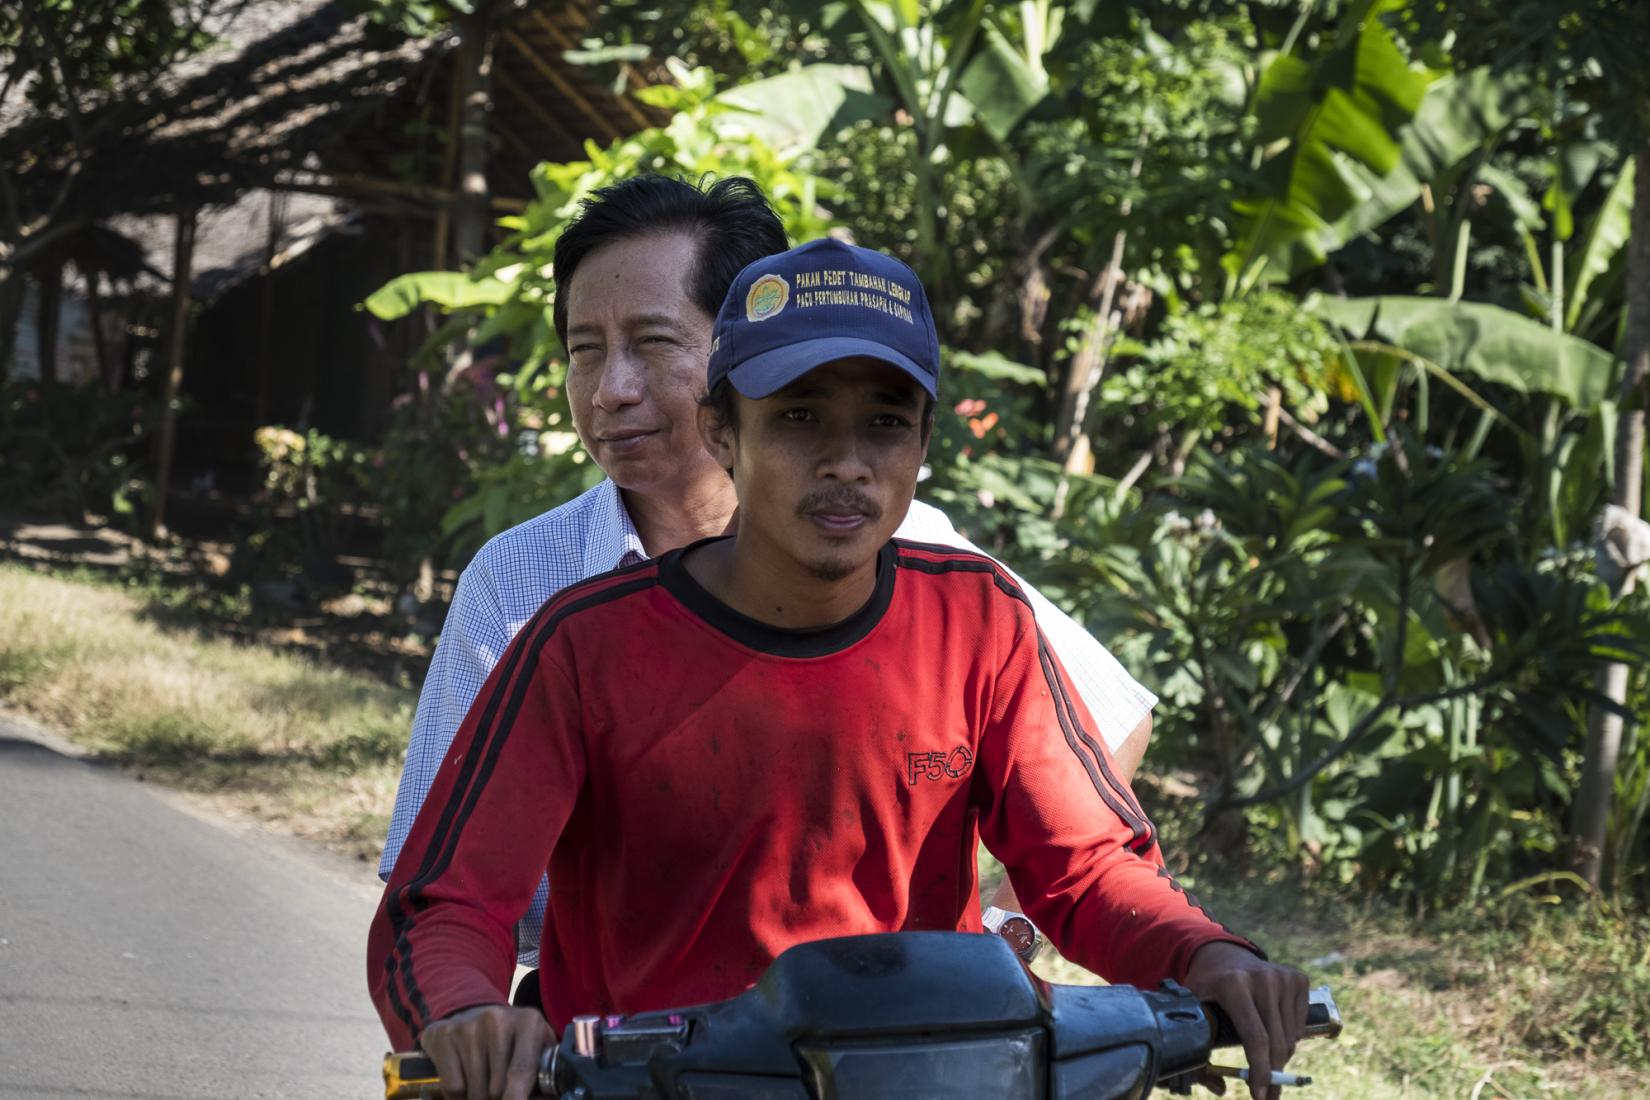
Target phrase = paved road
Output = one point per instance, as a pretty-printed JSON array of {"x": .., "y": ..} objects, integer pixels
[{"x": 146, "y": 952}]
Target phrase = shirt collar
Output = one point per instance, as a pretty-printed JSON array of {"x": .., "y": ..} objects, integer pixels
[{"x": 613, "y": 540}]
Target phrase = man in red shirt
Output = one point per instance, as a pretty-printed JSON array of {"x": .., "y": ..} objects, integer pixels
[{"x": 795, "y": 732}]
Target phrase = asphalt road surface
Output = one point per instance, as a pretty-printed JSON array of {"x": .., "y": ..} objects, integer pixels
[{"x": 147, "y": 951}]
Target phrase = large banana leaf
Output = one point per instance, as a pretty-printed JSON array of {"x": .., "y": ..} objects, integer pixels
[
  {"x": 447, "y": 289},
  {"x": 1458, "y": 115},
  {"x": 1340, "y": 110},
  {"x": 1479, "y": 339},
  {"x": 1003, "y": 83},
  {"x": 796, "y": 109}
]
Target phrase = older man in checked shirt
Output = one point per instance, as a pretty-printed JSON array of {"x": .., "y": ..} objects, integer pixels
[{"x": 641, "y": 275}]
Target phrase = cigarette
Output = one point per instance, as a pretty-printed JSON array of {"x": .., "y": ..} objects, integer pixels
[{"x": 1277, "y": 1078}]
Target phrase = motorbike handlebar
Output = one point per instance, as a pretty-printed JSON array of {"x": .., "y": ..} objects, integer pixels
[{"x": 884, "y": 1015}]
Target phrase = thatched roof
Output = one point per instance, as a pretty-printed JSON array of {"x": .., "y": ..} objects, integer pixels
[
  {"x": 307, "y": 88},
  {"x": 260, "y": 231}
]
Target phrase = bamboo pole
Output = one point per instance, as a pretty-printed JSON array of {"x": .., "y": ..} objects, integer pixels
[
  {"x": 183, "y": 255},
  {"x": 354, "y": 187},
  {"x": 475, "y": 59},
  {"x": 449, "y": 161},
  {"x": 100, "y": 343}
]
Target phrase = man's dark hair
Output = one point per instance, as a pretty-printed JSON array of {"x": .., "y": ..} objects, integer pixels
[{"x": 731, "y": 221}]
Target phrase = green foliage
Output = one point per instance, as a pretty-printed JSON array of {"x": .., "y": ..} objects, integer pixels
[
  {"x": 1347, "y": 647},
  {"x": 1175, "y": 108},
  {"x": 438, "y": 441},
  {"x": 447, "y": 290},
  {"x": 1460, "y": 115},
  {"x": 418, "y": 18},
  {"x": 1628, "y": 854},
  {"x": 739, "y": 39}
]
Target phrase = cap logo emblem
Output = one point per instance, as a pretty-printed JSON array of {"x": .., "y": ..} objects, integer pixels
[{"x": 767, "y": 297}]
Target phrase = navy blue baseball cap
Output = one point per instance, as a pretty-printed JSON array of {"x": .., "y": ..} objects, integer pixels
[{"x": 820, "y": 302}]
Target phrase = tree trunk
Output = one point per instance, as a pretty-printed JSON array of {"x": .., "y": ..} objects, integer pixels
[
  {"x": 475, "y": 69},
  {"x": 1604, "y": 728},
  {"x": 1070, "y": 444},
  {"x": 183, "y": 257}
]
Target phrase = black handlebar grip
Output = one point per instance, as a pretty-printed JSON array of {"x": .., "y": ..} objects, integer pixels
[{"x": 1220, "y": 1026}]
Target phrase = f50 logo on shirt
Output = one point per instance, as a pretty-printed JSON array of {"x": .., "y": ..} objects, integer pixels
[{"x": 935, "y": 766}]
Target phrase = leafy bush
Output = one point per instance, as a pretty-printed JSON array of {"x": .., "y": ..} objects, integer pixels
[
  {"x": 67, "y": 449},
  {"x": 313, "y": 488},
  {"x": 1348, "y": 651},
  {"x": 1210, "y": 369}
]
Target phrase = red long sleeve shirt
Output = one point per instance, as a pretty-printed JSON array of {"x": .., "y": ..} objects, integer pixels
[{"x": 707, "y": 791}]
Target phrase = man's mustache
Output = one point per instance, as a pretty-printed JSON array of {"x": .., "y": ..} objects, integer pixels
[{"x": 843, "y": 497}]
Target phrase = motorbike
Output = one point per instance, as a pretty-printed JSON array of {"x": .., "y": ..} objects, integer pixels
[{"x": 907, "y": 1015}]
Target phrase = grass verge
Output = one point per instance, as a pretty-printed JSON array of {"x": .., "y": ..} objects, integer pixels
[{"x": 314, "y": 749}]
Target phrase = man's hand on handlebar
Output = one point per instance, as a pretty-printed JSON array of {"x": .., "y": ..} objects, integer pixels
[
  {"x": 1265, "y": 1002},
  {"x": 489, "y": 1052}
]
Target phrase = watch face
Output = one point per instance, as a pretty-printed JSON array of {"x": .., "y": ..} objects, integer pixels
[{"x": 1020, "y": 934}]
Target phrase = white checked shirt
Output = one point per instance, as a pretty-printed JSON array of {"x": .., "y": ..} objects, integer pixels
[{"x": 516, "y": 572}]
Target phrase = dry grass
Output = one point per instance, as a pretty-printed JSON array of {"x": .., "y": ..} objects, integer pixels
[{"x": 313, "y": 749}]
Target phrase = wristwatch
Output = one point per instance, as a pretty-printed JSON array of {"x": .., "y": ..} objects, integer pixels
[{"x": 1016, "y": 928}]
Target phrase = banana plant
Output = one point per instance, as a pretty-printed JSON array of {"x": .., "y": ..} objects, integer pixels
[
  {"x": 1332, "y": 121},
  {"x": 923, "y": 49}
]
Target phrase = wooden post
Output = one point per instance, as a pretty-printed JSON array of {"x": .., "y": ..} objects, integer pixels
[
  {"x": 183, "y": 253},
  {"x": 48, "y": 317},
  {"x": 100, "y": 345},
  {"x": 11, "y": 312},
  {"x": 266, "y": 304}
]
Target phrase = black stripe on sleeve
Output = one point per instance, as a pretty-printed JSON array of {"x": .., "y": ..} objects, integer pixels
[
  {"x": 491, "y": 734},
  {"x": 1124, "y": 791},
  {"x": 1093, "y": 761}
]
